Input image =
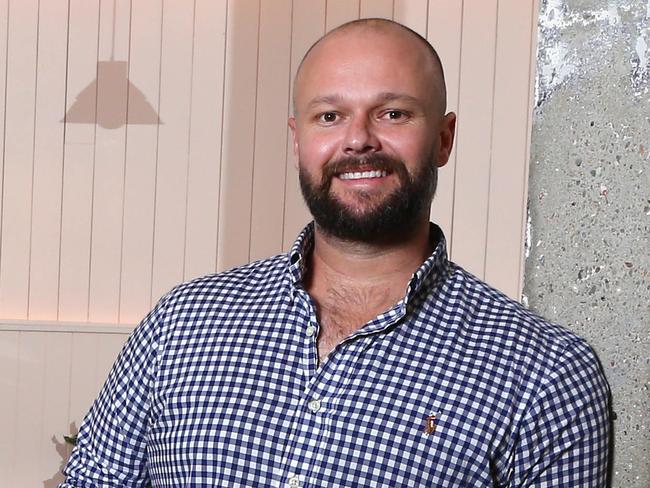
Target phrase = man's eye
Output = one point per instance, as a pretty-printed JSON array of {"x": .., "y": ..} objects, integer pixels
[
  {"x": 394, "y": 115},
  {"x": 328, "y": 117}
]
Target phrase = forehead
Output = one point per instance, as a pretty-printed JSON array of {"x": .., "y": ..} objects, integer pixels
[{"x": 364, "y": 63}]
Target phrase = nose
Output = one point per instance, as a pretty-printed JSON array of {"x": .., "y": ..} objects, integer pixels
[{"x": 360, "y": 137}]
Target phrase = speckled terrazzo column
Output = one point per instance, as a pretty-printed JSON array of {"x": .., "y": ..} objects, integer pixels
[{"x": 588, "y": 252}]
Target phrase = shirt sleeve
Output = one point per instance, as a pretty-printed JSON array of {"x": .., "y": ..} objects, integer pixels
[
  {"x": 564, "y": 438},
  {"x": 111, "y": 446}
]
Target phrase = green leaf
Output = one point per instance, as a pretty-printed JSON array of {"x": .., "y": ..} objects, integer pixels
[{"x": 70, "y": 439}]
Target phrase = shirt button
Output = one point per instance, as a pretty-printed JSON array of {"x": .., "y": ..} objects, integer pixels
[
  {"x": 294, "y": 482},
  {"x": 310, "y": 331},
  {"x": 314, "y": 406}
]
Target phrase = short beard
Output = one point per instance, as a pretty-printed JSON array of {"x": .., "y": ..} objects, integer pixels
[{"x": 391, "y": 220}]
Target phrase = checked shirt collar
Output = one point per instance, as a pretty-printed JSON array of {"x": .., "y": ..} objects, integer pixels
[{"x": 426, "y": 279}]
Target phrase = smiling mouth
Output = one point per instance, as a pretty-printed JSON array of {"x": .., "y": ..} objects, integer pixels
[{"x": 359, "y": 175}]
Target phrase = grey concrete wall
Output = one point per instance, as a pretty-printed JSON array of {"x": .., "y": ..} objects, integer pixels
[{"x": 588, "y": 250}]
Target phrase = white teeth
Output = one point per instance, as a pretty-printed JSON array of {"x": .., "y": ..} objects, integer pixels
[{"x": 363, "y": 174}]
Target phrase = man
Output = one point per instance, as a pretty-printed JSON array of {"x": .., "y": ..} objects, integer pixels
[{"x": 362, "y": 357}]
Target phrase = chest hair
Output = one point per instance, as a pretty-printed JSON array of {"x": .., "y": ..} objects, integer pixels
[{"x": 342, "y": 310}]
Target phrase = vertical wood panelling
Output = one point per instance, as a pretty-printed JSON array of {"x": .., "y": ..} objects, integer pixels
[
  {"x": 78, "y": 162},
  {"x": 82, "y": 375},
  {"x": 340, "y": 11},
  {"x": 48, "y": 160},
  {"x": 205, "y": 137},
  {"x": 171, "y": 175},
  {"x": 376, "y": 8},
  {"x": 144, "y": 206},
  {"x": 108, "y": 180},
  {"x": 9, "y": 365},
  {"x": 474, "y": 126},
  {"x": 4, "y": 34},
  {"x": 444, "y": 33},
  {"x": 239, "y": 133},
  {"x": 270, "y": 129},
  {"x": 512, "y": 107},
  {"x": 308, "y": 24},
  {"x": 49, "y": 380},
  {"x": 15, "y": 220},
  {"x": 413, "y": 14},
  {"x": 54, "y": 407},
  {"x": 140, "y": 167},
  {"x": 29, "y": 400}
]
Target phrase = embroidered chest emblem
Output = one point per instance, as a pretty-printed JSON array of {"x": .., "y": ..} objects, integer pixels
[{"x": 431, "y": 424}]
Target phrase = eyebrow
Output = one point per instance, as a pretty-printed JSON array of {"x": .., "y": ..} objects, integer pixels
[
  {"x": 325, "y": 99},
  {"x": 382, "y": 98},
  {"x": 390, "y": 96}
]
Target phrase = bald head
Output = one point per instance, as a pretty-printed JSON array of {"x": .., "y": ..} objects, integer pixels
[{"x": 390, "y": 30}]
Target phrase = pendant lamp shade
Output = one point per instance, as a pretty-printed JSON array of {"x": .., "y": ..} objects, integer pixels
[{"x": 111, "y": 100}]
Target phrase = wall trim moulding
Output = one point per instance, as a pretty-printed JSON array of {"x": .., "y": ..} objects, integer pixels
[{"x": 67, "y": 327}]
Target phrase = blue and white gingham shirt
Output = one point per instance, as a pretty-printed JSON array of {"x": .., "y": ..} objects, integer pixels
[{"x": 456, "y": 385}]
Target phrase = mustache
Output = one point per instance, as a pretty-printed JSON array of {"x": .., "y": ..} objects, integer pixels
[{"x": 379, "y": 162}]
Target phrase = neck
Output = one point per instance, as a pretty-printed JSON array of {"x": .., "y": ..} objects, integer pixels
[{"x": 360, "y": 263}]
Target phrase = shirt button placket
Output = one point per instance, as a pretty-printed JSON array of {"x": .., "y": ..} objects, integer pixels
[{"x": 293, "y": 482}]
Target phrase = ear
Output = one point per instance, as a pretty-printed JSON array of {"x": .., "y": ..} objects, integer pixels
[
  {"x": 294, "y": 136},
  {"x": 446, "y": 138}
]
